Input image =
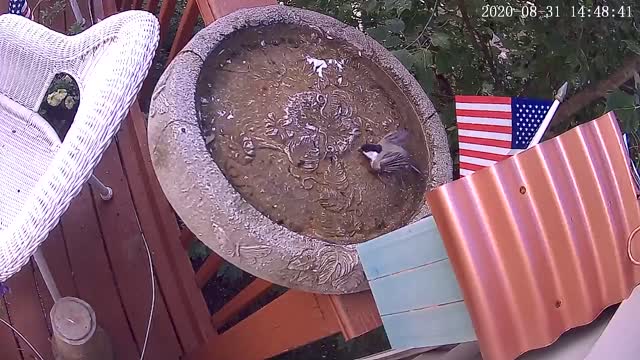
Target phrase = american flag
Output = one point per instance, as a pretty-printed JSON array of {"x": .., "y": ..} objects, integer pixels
[
  {"x": 20, "y": 7},
  {"x": 493, "y": 128}
]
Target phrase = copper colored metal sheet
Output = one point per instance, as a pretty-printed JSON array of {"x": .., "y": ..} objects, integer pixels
[{"x": 538, "y": 241}]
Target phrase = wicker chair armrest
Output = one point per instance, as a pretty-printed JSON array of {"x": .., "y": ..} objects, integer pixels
[{"x": 110, "y": 61}]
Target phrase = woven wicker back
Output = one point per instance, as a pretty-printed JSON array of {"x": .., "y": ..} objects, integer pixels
[{"x": 109, "y": 61}]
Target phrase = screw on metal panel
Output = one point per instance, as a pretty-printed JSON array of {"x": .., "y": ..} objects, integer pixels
[
  {"x": 523, "y": 190},
  {"x": 558, "y": 304}
]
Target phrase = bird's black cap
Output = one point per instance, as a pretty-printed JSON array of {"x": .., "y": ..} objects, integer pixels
[{"x": 371, "y": 147}]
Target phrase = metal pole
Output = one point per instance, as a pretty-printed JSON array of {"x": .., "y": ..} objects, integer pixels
[
  {"x": 547, "y": 119},
  {"x": 76, "y": 12},
  {"x": 46, "y": 275},
  {"x": 105, "y": 192}
]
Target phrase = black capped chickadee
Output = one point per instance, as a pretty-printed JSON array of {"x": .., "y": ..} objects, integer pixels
[{"x": 389, "y": 155}]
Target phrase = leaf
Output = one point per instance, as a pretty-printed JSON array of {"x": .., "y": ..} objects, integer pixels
[
  {"x": 618, "y": 99},
  {"x": 395, "y": 25},
  {"x": 399, "y": 5},
  {"x": 55, "y": 98},
  {"x": 487, "y": 88},
  {"x": 624, "y": 107},
  {"x": 370, "y": 6},
  {"x": 405, "y": 58},
  {"x": 427, "y": 79},
  {"x": 69, "y": 102},
  {"x": 422, "y": 61},
  {"x": 392, "y": 41},
  {"x": 440, "y": 39},
  {"x": 633, "y": 46},
  {"x": 230, "y": 273},
  {"x": 198, "y": 251},
  {"x": 520, "y": 72},
  {"x": 380, "y": 33},
  {"x": 444, "y": 61}
]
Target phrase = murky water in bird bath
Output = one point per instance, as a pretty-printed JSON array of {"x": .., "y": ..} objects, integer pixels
[{"x": 284, "y": 111}]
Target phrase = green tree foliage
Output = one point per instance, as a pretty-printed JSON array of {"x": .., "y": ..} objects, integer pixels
[{"x": 448, "y": 47}]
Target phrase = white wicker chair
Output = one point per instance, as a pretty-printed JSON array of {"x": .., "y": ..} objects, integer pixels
[{"x": 39, "y": 174}]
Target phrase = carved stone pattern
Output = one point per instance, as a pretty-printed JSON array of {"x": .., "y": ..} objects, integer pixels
[{"x": 218, "y": 214}]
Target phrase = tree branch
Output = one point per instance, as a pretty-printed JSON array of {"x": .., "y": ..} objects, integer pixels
[
  {"x": 593, "y": 92},
  {"x": 475, "y": 40}
]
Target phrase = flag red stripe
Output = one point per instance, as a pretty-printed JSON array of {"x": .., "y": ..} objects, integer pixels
[
  {"x": 472, "y": 167},
  {"x": 489, "y": 142},
  {"x": 485, "y": 127},
  {"x": 484, "y": 114},
  {"x": 483, "y": 99},
  {"x": 483, "y": 155}
]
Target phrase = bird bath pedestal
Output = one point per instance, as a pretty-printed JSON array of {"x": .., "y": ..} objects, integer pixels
[
  {"x": 254, "y": 131},
  {"x": 76, "y": 334}
]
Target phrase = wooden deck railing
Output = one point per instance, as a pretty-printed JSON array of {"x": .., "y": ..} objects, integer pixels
[{"x": 292, "y": 320}]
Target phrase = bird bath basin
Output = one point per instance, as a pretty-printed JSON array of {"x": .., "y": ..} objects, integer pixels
[{"x": 254, "y": 133}]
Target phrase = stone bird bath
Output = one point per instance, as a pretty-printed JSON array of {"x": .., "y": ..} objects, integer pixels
[{"x": 254, "y": 131}]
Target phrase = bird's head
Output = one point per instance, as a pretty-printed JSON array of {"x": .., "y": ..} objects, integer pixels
[{"x": 371, "y": 150}]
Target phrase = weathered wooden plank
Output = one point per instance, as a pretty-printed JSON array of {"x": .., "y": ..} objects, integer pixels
[
  {"x": 124, "y": 5},
  {"x": 208, "y": 269},
  {"x": 125, "y": 247},
  {"x": 69, "y": 19},
  {"x": 92, "y": 271},
  {"x": 186, "y": 305},
  {"x": 8, "y": 345},
  {"x": 215, "y": 9},
  {"x": 414, "y": 245},
  {"x": 224, "y": 7},
  {"x": 137, "y": 4},
  {"x": 204, "y": 6},
  {"x": 239, "y": 302},
  {"x": 55, "y": 253},
  {"x": 25, "y": 312},
  {"x": 84, "y": 9},
  {"x": 55, "y": 22},
  {"x": 357, "y": 313},
  {"x": 186, "y": 238},
  {"x": 152, "y": 6},
  {"x": 440, "y": 325},
  {"x": 417, "y": 288},
  {"x": 46, "y": 301},
  {"x": 185, "y": 28},
  {"x": 292, "y": 320},
  {"x": 164, "y": 18},
  {"x": 103, "y": 8}
]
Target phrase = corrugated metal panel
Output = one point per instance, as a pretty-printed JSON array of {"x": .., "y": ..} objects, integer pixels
[{"x": 538, "y": 241}]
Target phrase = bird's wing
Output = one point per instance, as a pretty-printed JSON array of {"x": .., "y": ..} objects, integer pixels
[
  {"x": 398, "y": 137},
  {"x": 393, "y": 161}
]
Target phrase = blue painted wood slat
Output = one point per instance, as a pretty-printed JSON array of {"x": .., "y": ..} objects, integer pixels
[
  {"x": 425, "y": 286},
  {"x": 415, "y": 288},
  {"x": 408, "y": 247},
  {"x": 440, "y": 325}
]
